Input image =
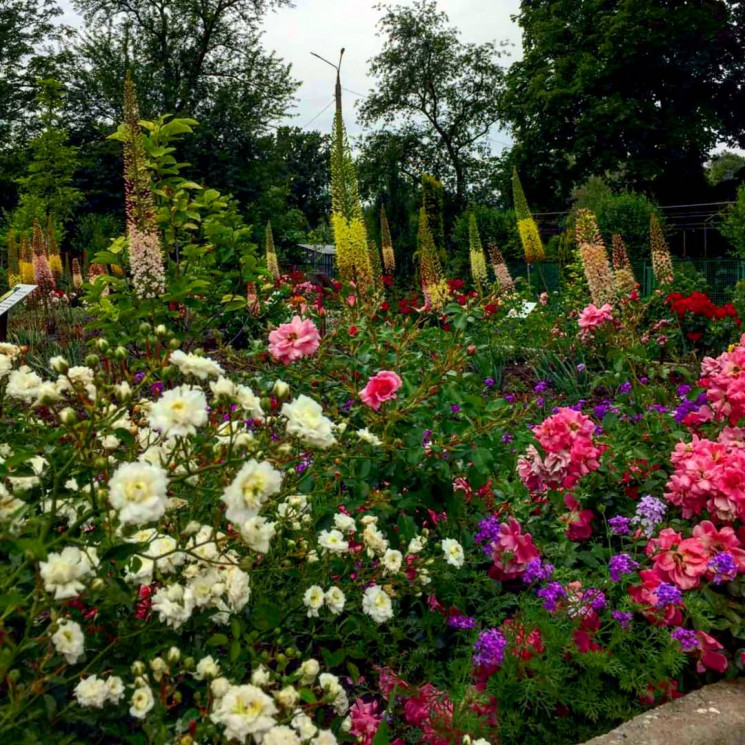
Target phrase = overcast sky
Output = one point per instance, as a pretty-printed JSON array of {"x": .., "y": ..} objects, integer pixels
[{"x": 324, "y": 26}]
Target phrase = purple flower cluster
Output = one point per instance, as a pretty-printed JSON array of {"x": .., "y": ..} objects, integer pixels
[
  {"x": 541, "y": 386},
  {"x": 625, "y": 387},
  {"x": 487, "y": 533},
  {"x": 621, "y": 564},
  {"x": 461, "y": 622},
  {"x": 537, "y": 571},
  {"x": 596, "y": 598},
  {"x": 489, "y": 649},
  {"x": 668, "y": 594},
  {"x": 620, "y": 525},
  {"x": 725, "y": 569},
  {"x": 688, "y": 407},
  {"x": 551, "y": 594},
  {"x": 605, "y": 407},
  {"x": 489, "y": 382},
  {"x": 426, "y": 437},
  {"x": 649, "y": 513},
  {"x": 686, "y": 637},
  {"x": 623, "y": 618}
]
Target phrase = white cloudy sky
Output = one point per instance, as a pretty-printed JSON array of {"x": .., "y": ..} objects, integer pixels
[{"x": 324, "y": 26}]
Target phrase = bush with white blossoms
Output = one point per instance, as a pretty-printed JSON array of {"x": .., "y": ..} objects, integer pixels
[{"x": 181, "y": 563}]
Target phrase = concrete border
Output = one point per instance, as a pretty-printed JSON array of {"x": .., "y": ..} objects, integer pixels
[{"x": 712, "y": 715}]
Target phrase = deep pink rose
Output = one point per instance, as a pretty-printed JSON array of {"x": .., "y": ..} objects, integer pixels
[
  {"x": 379, "y": 388},
  {"x": 294, "y": 340}
]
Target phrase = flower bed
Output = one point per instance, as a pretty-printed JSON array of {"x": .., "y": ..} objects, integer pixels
[{"x": 378, "y": 525}]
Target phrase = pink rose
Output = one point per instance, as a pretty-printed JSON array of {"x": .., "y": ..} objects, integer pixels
[
  {"x": 379, "y": 388},
  {"x": 592, "y": 316},
  {"x": 294, "y": 340}
]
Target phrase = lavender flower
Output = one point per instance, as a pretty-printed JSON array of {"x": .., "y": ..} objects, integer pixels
[
  {"x": 621, "y": 564},
  {"x": 668, "y": 594},
  {"x": 461, "y": 622},
  {"x": 489, "y": 649},
  {"x": 649, "y": 513},
  {"x": 551, "y": 594},
  {"x": 596, "y": 598},
  {"x": 684, "y": 389},
  {"x": 725, "y": 569},
  {"x": 623, "y": 618},
  {"x": 619, "y": 525},
  {"x": 536, "y": 570},
  {"x": 488, "y": 533},
  {"x": 686, "y": 637},
  {"x": 625, "y": 387},
  {"x": 541, "y": 386}
]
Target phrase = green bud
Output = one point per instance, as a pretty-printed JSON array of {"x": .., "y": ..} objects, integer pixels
[
  {"x": 102, "y": 345},
  {"x": 92, "y": 360},
  {"x": 145, "y": 328},
  {"x": 14, "y": 676},
  {"x": 120, "y": 353},
  {"x": 174, "y": 344}
]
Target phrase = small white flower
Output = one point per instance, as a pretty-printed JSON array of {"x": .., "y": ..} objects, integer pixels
[
  {"x": 244, "y": 710},
  {"x": 366, "y": 436},
  {"x": 375, "y": 541},
  {"x": 174, "y": 605},
  {"x": 179, "y": 412},
  {"x": 250, "y": 489},
  {"x": 304, "y": 726},
  {"x": 258, "y": 533},
  {"x": 453, "y": 552},
  {"x": 115, "y": 689},
  {"x": 309, "y": 670},
  {"x": 261, "y": 676},
  {"x": 69, "y": 640},
  {"x": 345, "y": 523},
  {"x": 24, "y": 385},
  {"x": 62, "y": 572},
  {"x": 142, "y": 702},
  {"x": 281, "y": 735},
  {"x": 287, "y": 697},
  {"x": 325, "y": 737},
  {"x": 305, "y": 419},
  {"x": 207, "y": 668},
  {"x": 92, "y": 692},
  {"x": 219, "y": 687},
  {"x": 138, "y": 492},
  {"x": 416, "y": 544},
  {"x": 377, "y": 604},
  {"x": 332, "y": 541},
  {"x": 280, "y": 389},
  {"x": 391, "y": 561},
  {"x": 335, "y": 600},
  {"x": 192, "y": 364},
  {"x": 314, "y": 599},
  {"x": 59, "y": 364}
]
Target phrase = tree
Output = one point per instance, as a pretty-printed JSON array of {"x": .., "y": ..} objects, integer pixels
[
  {"x": 46, "y": 191},
  {"x": 725, "y": 166},
  {"x": 433, "y": 201},
  {"x": 435, "y": 89},
  {"x": 733, "y": 225},
  {"x": 200, "y": 59},
  {"x": 642, "y": 89},
  {"x": 27, "y": 35}
]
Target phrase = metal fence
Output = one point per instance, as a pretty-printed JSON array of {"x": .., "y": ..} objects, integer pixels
[{"x": 716, "y": 277}]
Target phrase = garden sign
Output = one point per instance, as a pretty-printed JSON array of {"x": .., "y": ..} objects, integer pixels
[{"x": 11, "y": 298}]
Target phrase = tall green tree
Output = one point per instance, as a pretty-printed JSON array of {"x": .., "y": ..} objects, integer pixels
[
  {"x": 436, "y": 89},
  {"x": 642, "y": 89},
  {"x": 28, "y": 33},
  {"x": 46, "y": 190}
]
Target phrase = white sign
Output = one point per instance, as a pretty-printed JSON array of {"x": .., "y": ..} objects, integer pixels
[
  {"x": 14, "y": 296},
  {"x": 524, "y": 312}
]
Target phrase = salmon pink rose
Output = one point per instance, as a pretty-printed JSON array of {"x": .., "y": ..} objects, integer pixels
[
  {"x": 381, "y": 387},
  {"x": 294, "y": 340}
]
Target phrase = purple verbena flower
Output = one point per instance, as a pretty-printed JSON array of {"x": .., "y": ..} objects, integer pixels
[
  {"x": 487, "y": 533},
  {"x": 623, "y": 618},
  {"x": 624, "y": 387},
  {"x": 461, "y": 622},
  {"x": 684, "y": 389},
  {"x": 668, "y": 594},
  {"x": 619, "y": 525},
  {"x": 596, "y": 598},
  {"x": 621, "y": 564},
  {"x": 687, "y": 638},
  {"x": 541, "y": 386},
  {"x": 489, "y": 382},
  {"x": 649, "y": 513},
  {"x": 581, "y": 367},
  {"x": 551, "y": 594},
  {"x": 507, "y": 437},
  {"x": 725, "y": 569},
  {"x": 537, "y": 571},
  {"x": 489, "y": 649}
]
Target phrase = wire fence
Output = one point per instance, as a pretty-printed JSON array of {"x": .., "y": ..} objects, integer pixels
[{"x": 716, "y": 277}]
